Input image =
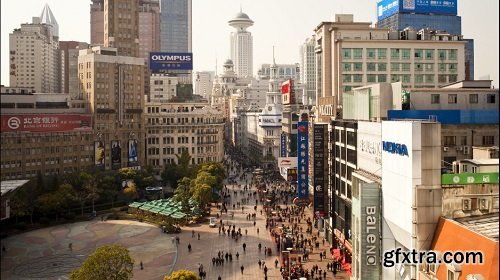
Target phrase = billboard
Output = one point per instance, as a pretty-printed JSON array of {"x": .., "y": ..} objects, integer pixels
[
  {"x": 170, "y": 61},
  {"x": 99, "y": 154},
  {"x": 288, "y": 92},
  {"x": 369, "y": 148},
  {"x": 287, "y": 162},
  {"x": 283, "y": 145},
  {"x": 319, "y": 157},
  {"x": 303, "y": 159},
  {"x": 116, "y": 155},
  {"x": 45, "y": 122},
  {"x": 386, "y": 8},
  {"x": 132, "y": 153},
  {"x": 469, "y": 178},
  {"x": 270, "y": 120},
  {"x": 291, "y": 175}
]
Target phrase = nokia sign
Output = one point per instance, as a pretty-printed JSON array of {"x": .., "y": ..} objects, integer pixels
[
  {"x": 170, "y": 61},
  {"x": 395, "y": 148}
]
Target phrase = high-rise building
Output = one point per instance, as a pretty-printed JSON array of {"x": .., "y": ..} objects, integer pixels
[
  {"x": 440, "y": 16},
  {"x": 203, "y": 82},
  {"x": 362, "y": 55},
  {"x": 308, "y": 70},
  {"x": 149, "y": 27},
  {"x": 113, "y": 89},
  {"x": 121, "y": 26},
  {"x": 242, "y": 45},
  {"x": 34, "y": 54},
  {"x": 69, "y": 67},
  {"x": 97, "y": 22},
  {"x": 176, "y": 25}
]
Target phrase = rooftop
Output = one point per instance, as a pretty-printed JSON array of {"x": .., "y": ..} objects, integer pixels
[
  {"x": 486, "y": 225},
  {"x": 11, "y": 185}
]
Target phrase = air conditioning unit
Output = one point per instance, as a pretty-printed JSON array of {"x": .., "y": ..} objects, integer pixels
[
  {"x": 460, "y": 148},
  {"x": 484, "y": 204},
  {"x": 445, "y": 149},
  {"x": 466, "y": 204},
  {"x": 466, "y": 150}
]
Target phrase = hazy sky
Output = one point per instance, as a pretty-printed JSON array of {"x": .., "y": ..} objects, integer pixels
[{"x": 284, "y": 24}]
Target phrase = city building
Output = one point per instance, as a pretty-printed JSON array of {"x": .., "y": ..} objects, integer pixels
[
  {"x": 308, "y": 70},
  {"x": 42, "y": 133},
  {"x": 176, "y": 26},
  {"x": 8, "y": 189},
  {"x": 203, "y": 82},
  {"x": 163, "y": 87},
  {"x": 69, "y": 67},
  {"x": 34, "y": 54},
  {"x": 121, "y": 26},
  {"x": 352, "y": 54},
  {"x": 172, "y": 128},
  {"x": 97, "y": 22},
  {"x": 149, "y": 27},
  {"x": 112, "y": 87},
  {"x": 242, "y": 45},
  {"x": 285, "y": 71},
  {"x": 421, "y": 15}
]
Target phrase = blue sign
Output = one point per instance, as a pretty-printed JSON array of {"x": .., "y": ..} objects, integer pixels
[
  {"x": 395, "y": 148},
  {"x": 283, "y": 145},
  {"x": 302, "y": 159},
  {"x": 386, "y": 8},
  {"x": 170, "y": 61}
]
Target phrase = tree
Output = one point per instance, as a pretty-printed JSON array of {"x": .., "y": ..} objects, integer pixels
[
  {"x": 90, "y": 184},
  {"x": 18, "y": 204},
  {"x": 130, "y": 190},
  {"x": 202, "y": 194},
  {"x": 184, "y": 191},
  {"x": 107, "y": 262},
  {"x": 110, "y": 188},
  {"x": 215, "y": 169},
  {"x": 182, "y": 275}
]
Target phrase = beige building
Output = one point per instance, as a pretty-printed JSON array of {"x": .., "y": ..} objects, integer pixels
[
  {"x": 113, "y": 88},
  {"x": 121, "y": 26},
  {"x": 353, "y": 54},
  {"x": 34, "y": 54},
  {"x": 172, "y": 128},
  {"x": 149, "y": 27},
  {"x": 97, "y": 22},
  {"x": 163, "y": 87}
]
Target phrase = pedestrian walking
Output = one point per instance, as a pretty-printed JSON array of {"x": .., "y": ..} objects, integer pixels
[
  {"x": 242, "y": 268},
  {"x": 198, "y": 236},
  {"x": 237, "y": 255},
  {"x": 192, "y": 234},
  {"x": 142, "y": 266},
  {"x": 189, "y": 247},
  {"x": 245, "y": 247},
  {"x": 260, "y": 263}
]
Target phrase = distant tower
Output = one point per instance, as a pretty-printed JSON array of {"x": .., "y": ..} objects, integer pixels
[
  {"x": 124, "y": 37},
  {"x": 97, "y": 22},
  {"x": 242, "y": 45},
  {"x": 39, "y": 68}
]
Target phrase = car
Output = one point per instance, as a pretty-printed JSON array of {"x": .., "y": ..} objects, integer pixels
[{"x": 213, "y": 222}]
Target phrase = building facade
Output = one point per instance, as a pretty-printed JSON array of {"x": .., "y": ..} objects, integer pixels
[
  {"x": 34, "y": 54},
  {"x": 242, "y": 45},
  {"x": 121, "y": 26},
  {"x": 69, "y": 67},
  {"x": 172, "y": 128},
  {"x": 97, "y": 22},
  {"x": 203, "y": 82},
  {"x": 176, "y": 25},
  {"x": 112, "y": 87},
  {"x": 308, "y": 70}
]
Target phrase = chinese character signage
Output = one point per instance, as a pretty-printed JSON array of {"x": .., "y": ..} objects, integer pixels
[
  {"x": 170, "y": 61},
  {"x": 303, "y": 159},
  {"x": 283, "y": 145},
  {"x": 288, "y": 92},
  {"x": 319, "y": 166},
  {"x": 45, "y": 122},
  {"x": 291, "y": 175},
  {"x": 116, "y": 155},
  {"x": 386, "y": 8},
  {"x": 99, "y": 154}
]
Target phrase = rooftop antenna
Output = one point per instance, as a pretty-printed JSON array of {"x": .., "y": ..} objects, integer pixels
[
  {"x": 241, "y": 10},
  {"x": 274, "y": 62},
  {"x": 215, "y": 62}
]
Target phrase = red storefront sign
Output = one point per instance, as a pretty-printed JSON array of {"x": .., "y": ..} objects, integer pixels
[{"x": 45, "y": 122}]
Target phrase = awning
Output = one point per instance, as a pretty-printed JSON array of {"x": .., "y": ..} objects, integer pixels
[{"x": 178, "y": 215}]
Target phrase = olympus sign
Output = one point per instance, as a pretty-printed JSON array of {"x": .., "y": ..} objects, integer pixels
[{"x": 171, "y": 57}]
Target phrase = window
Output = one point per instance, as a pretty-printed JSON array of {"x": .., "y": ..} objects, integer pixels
[
  {"x": 473, "y": 98},
  {"x": 346, "y": 53},
  {"x": 406, "y": 54},
  {"x": 395, "y": 78},
  {"x": 488, "y": 140},
  {"x": 452, "y": 99},
  {"x": 371, "y": 78},
  {"x": 370, "y": 53},
  {"x": 358, "y": 78},
  {"x": 382, "y": 78},
  {"x": 370, "y": 66},
  {"x": 358, "y": 66},
  {"x": 382, "y": 53},
  {"x": 395, "y": 54},
  {"x": 429, "y": 78},
  {"x": 452, "y": 54},
  {"x": 406, "y": 67},
  {"x": 491, "y": 99},
  {"x": 442, "y": 78},
  {"x": 419, "y": 78},
  {"x": 442, "y": 54},
  {"x": 452, "y": 67},
  {"x": 394, "y": 66},
  {"x": 435, "y": 98},
  {"x": 429, "y": 54},
  {"x": 346, "y": 66},
  {"x": 419, "y": 54},
  {"x": 346, "y": 78},
  {"x": 449, "y": 141},
  {"x": 358, "y": 53},
  {"x": 406, "y": 79},
  {"x": 463, "y": 140},
  {"x": 382, "y": 67},
  {"x": 419, "y": 67}
]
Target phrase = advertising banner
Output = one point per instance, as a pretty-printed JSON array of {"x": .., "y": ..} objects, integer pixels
[
  {"x": 291, "y": 175},
  {"x": 99, "y": 154},
  {"x": 116, "y": 155},
  {"x": 288, "y": 92},
  {"x": 270, "y": 120},
  {"x": 132, "y": 153},
  {"x": 283, "y": 145},
  {"x": 370, "y": 230},
  {"x": 469, "y": 178},
  {"x": 45, "y": 122},
  {"x": 319, "y": 131},
  {"x": 369, "y": 148},
  {"x": 303, "y": 159},
  {"x": 170, "y": 61},
  {"x": 386, "y": 8},
  {"x": 287, "y": 162}
]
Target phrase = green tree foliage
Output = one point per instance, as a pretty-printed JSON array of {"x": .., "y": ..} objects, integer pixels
[
  {"x": 56, "y": 201},
  {"x": 202, "y": 194},
  {"x": 175, "y": 172},
  {"x": 215, "y": 169},
  {"x": 19, "y": 204},
  {"x": 182, "y": 275},
  {"x": 107, "y": 262},
  {"x": 130, "y": 190},
  {"x": 110, "y": 188}
]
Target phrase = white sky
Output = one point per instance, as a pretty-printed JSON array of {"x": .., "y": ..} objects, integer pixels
[{"x": 284, "y": 24}]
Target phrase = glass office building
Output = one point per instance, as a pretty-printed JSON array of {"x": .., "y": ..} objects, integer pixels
[
  {"x": 176, "y": 25},
  {"x": 399, "y": 21}
]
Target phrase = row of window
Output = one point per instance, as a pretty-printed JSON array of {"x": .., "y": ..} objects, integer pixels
[
  {"x": 396, "y": 53},
  {"x": 396, "y": 66},
  {"x": 453, "y": 98},
  {"x": 451, "y": 141},
  {"x": 405, "y": 78}
]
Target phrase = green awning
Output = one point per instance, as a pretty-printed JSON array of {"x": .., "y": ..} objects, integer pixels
[
  {"x": 135, "y": 204},
  {"x": 178, "y": 215}
]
